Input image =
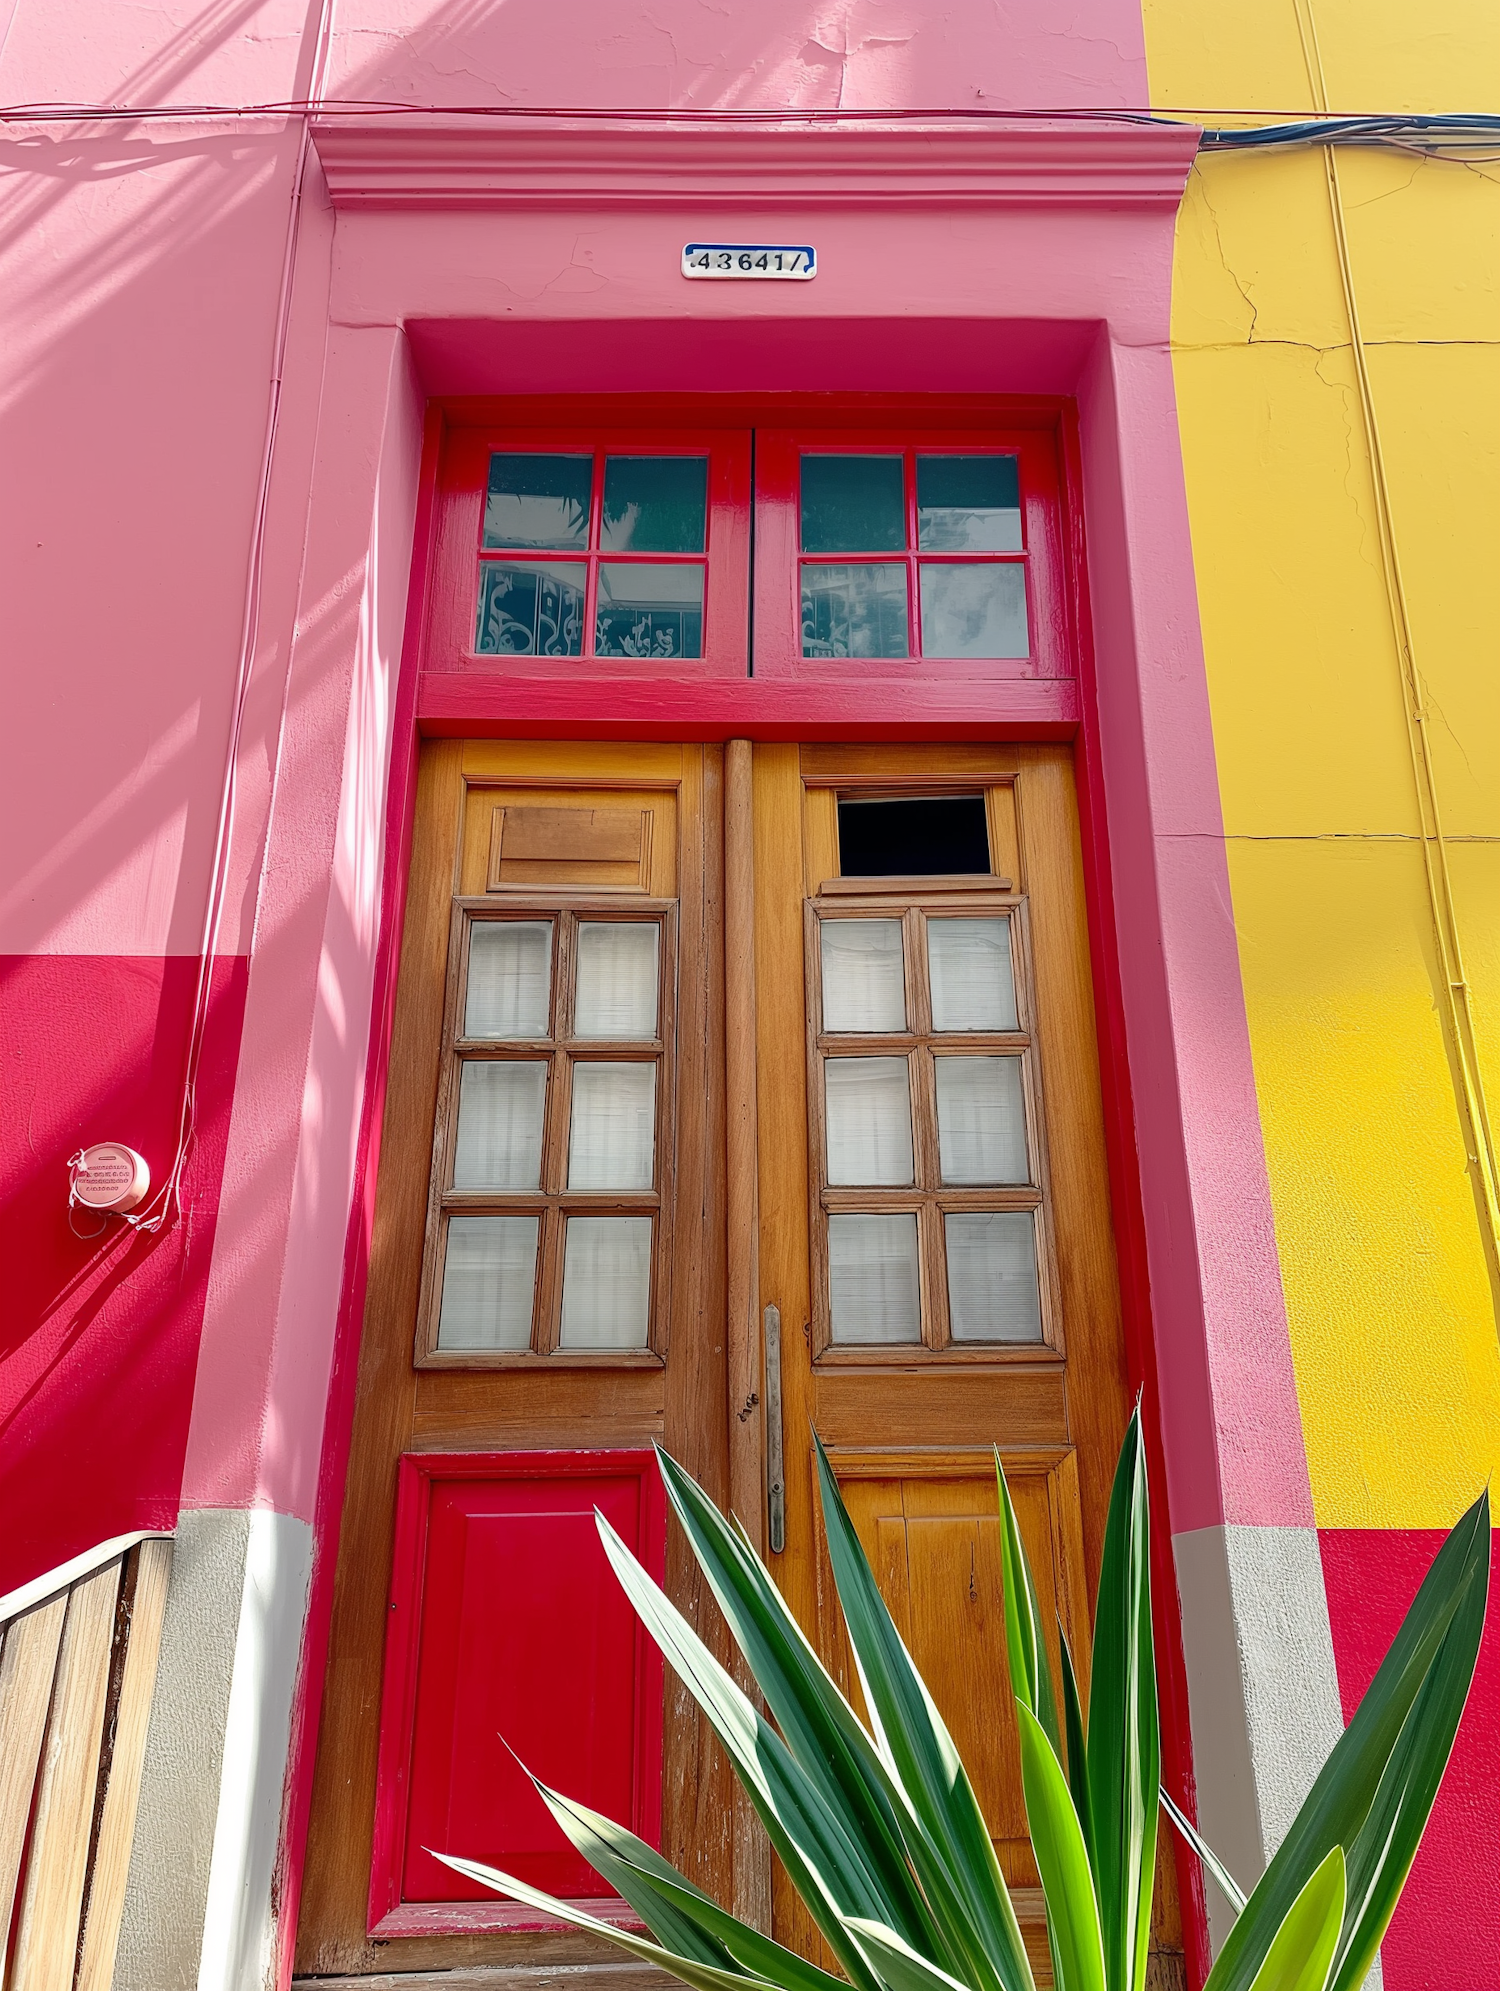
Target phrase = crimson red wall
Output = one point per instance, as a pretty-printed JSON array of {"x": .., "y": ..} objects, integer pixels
[
  {"x": 1445, "y": 1934},
  {"x": 99, "y": 1336}
]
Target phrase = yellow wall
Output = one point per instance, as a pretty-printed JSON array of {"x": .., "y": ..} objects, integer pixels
[{"x": 1390, "y": 1300}]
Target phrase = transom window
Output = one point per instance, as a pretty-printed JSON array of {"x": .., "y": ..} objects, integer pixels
[
  {"x": 927, "y": 547},
  {"x": 929, "y": 1218},
  {"x": 825, "y": 552},
  {"x": 630, "y": 536},
  {"x": 548, "y": 1205}
]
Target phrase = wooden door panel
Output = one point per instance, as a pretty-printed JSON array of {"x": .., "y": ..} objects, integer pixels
[{"x": 930, "y": 1526}]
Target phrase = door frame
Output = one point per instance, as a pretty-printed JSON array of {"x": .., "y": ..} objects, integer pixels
[{"x": 433, "y": 706}]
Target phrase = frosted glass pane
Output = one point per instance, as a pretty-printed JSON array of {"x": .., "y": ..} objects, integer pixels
[
  {"x": 874, "y": 1290},
  {"x": 867, "y": 1108},
  {"x": 973, "y": 609},
  {"x": 981, "y": 1120},
  {"x": 992, "y": 1288},
  {"x": 531, "y": 608},
  {"x": 973, "y": 985},
  {"x": 500, "y": 1125},
  {"x": 863, "y": 986},
  {"x": 616, "y": 978},
  {"x": 613, "y": 1139},
  {"x": 489, "y": 1280},
  {"x": 649, "y": 608},
  {"x": 510, "y": 978},
  {"x": 606, "y": 1298}
]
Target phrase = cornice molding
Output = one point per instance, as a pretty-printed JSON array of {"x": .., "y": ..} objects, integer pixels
[{"x": 568, "y": 161}]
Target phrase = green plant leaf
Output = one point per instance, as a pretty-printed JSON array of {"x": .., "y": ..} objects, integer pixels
[
  {"x": 702, "y": 1976},
  {"x": 1381, "y": 1856},
  {"x": 914, "y": 1741},
  {"x": 1076, "y": 1731},
  {"x": 827, "y": 1866},
  {"x": 1223, "y": 1879},
  {"x": 1301, "y": 1955},
  {"x": 819, "y": 1727},
  {"x": 897, "y": 1963},
  {"x": 1342, "y": 1798},
  {"x": 759, "y": 1955},
  {"x": 1030, "y": 1668},
  {"x": 1124, "y": 1742},
  {"x": 1063, "y": 1860}
]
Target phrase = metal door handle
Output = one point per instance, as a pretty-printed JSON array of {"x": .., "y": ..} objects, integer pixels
[{"x": 775, "y": 1460}]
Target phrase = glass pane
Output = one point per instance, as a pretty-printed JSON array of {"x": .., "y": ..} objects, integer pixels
[
  {"x": 874, "y": 1289},
  {"x": 655, "y": 504},
  {"x": 540, "y": 501},
  {"x": 852, "y": 504},
  {"x": 530, "y": 609},
  {"x": 613, "y": 1140},
  {"x": 863, "y": 985},
  {"x": 510, "y": 978},
  {"x": 616, "y": 978},
  {"x": 968, "y": 504},
  {"x": 973, "y": 986},
  {"x": 981, "y": 1120},
  {"x": 606, "y": 1298},
  {"x": 649, "y": 608},
  {"x": 500, "y": 1125},
  {"x": 854, "y": 611},
  {"x": 489, "y": 1281},
  {"x": 992, "y": 1288},
  {"x": 974, "y": 609},
  {"x": 867, "y": 1107}
]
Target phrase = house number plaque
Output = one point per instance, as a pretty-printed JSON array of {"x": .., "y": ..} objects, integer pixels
[{"x": 795, "y": 262}]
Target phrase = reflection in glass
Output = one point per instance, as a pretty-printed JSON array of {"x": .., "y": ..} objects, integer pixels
[
  {"x": 540, "y": 501},
  {"x": 616, "y": 978},
  {"x": 499, "y": 1142},
  {"x": 992, "y": 1285},
  {"x": 649, "y": 609},
  {"x": 981, "y": 1120},
  {"x": 973, "y": 985},
  {"x": 510, "y": 978},
  {"x": 874, "y": 1288},
  {"x": 867, "y": 1108},
  {"x": 968, "y": 504},
  {"x": 854, "y": 611},
  {"x": 852, "y": 504},
  {"x": 863, "y": 985},
  {"x": 973, "y": 609},
  {"x": 612, "y": 1143},
  {"x": 530, "y": 608},
  {"x": 606, "y": 1296},
  {"x": 655, "y": 504},
  {"x": 489, "y": 1280}
]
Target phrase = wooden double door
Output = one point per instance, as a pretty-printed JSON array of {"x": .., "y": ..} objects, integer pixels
[{"x": 736, "y": 1092}]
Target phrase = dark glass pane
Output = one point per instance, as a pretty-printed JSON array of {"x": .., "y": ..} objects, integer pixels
[
  {"x": 930, "y": 836},
  {"x": 655, "y": 504},
  {"x": 854, "y": 611},
  {"x": 968, "y": 504},
  {"x": 540, "y": 501},
  {"x": 530, "y": 609},
  {"x": 853, "y": 504},
  {"x": 649, "y": 609}
]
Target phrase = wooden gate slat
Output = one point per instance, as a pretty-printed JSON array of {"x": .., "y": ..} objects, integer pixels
[
  {"x": 27, "y": 1668},
  {"x": 122, "y": 1794},
  {"x": 47, "y": 1942}
]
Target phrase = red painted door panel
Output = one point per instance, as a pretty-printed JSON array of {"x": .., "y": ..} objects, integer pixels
[{"x": 510, "y": 1633}]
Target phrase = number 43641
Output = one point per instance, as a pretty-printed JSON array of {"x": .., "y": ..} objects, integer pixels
[{"x": 731, "y": 259}]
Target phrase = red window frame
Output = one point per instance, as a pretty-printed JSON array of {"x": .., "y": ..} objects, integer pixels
[
  {"x": 465, "y": 480},
  {"x": 778, "y": 554},
  {"x": 409, "y": 1662}
]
